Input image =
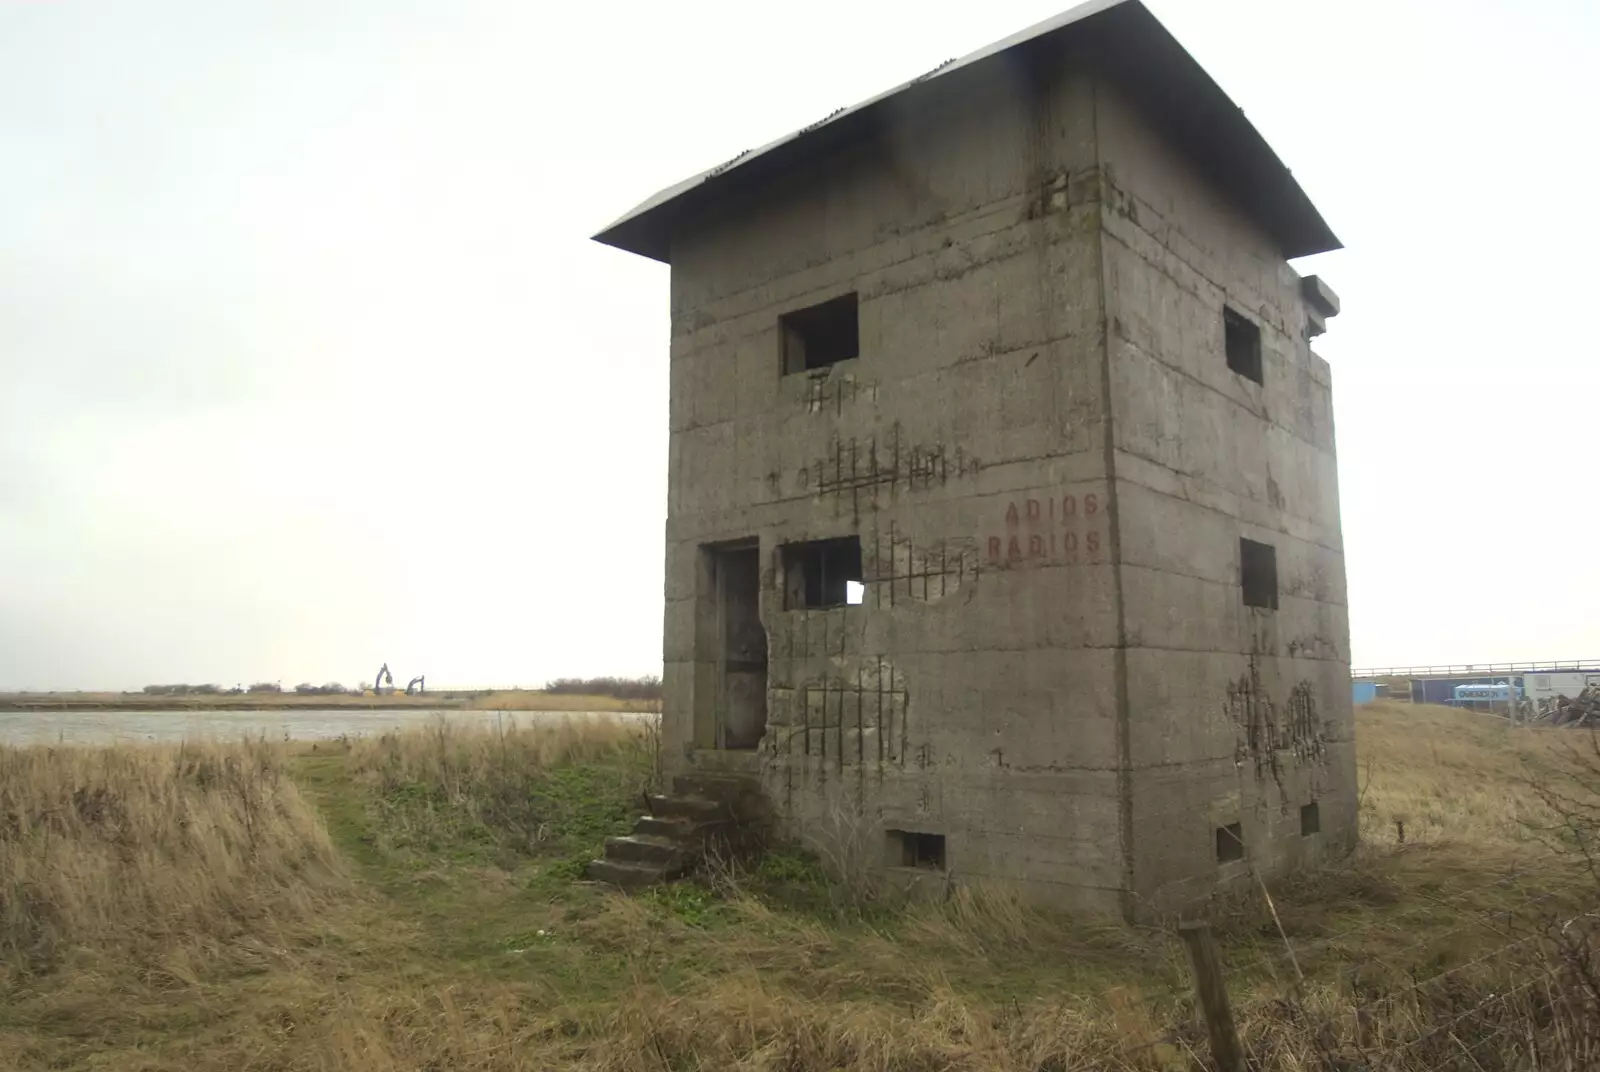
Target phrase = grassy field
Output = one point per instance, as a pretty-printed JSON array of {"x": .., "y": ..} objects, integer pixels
[
  {"x": 410, "y": 902},
  {"x": 485, "y": 700}
]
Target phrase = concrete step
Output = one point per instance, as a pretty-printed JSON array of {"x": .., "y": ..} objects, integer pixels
[
  {"x": 645, "y": 848},
  {"x": 628, "y": 876},
  {"x": 712, "y": 785},
  {"x": 697, "y": 809},
  {"x": 669, "y": 826},
  {"x": 748, "y": 762}
]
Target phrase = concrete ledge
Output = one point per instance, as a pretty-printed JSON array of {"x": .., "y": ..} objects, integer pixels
[{"x": 1319, "y": 296}]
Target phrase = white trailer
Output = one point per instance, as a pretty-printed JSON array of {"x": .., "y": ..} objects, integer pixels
[{"x": 1547, "y": 686}]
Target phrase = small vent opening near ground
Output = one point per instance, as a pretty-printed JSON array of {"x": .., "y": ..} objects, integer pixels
[{"x": 908, "y": 848}]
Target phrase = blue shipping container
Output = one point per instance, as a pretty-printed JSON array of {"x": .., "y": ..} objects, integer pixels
[{"x": 1363, "y": 691}]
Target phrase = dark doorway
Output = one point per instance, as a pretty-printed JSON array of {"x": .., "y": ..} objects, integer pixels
[{"x": 742, "y": 665}]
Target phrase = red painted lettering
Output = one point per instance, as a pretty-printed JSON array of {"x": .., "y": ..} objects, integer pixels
[
  {"x": 1091, "y": 503},
  {"x": 1035, "y": 545},
  {"x": 1033, "y": 509},
  {"x": 1094, "y": 543},
  {"x": 1011, "y": 515},
  {"x": 1069, "y": 506},
  {"x": 1015, "y": 549},
  {"x": 1070, "y": 541},
  {"x": 994, "y": 548}
]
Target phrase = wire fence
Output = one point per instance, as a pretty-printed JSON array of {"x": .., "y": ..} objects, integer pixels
[{"x": 1525, "y": 996}]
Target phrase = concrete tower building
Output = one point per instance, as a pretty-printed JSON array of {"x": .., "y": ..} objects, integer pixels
[{"x": 1003, "y": 538}]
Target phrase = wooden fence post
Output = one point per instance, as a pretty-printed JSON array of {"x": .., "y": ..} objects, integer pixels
[{"x": 1208, "y": 986}]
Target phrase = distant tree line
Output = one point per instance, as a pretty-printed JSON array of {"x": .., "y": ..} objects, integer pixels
[
  {"x": 623, "y": 688},
  {"x": 332, "y": 688}
]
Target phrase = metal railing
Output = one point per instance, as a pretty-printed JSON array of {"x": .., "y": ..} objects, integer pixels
[{"x": 1548, "y": 666}]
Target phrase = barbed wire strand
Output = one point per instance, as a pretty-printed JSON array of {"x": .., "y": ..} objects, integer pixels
[{"x": 1485, "y": 1003}]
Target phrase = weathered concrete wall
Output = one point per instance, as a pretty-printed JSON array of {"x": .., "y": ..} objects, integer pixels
[
  {"x": 1048, "y": 464},
  {"x": 973, "y": 695},
  {"x": 1235, "y": 714}
]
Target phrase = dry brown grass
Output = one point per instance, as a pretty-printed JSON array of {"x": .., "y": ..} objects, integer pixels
[
  {"x": 463, "y": 756},
  {"x": 186, "y": 909},
  {"x": 1449, "y": 774},
  {"x": 536, "y": 700},
  {"x": 140, "y": 886},
  {"x": 152, "y": 852}
]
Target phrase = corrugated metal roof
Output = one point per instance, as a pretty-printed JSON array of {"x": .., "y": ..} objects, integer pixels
[{"x": 1129, "y": 44}]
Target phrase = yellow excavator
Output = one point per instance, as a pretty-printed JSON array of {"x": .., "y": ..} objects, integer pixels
[{"x": 383, "y": 684}]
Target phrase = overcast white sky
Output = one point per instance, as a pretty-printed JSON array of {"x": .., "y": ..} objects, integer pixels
[{"x": 306, "y": 362}]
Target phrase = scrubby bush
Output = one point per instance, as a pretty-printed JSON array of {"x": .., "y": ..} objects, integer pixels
[
  {"x": 332, "y": 688},
  {"x": 540, "y": 788},
  {"x": 623, "y": 688}
]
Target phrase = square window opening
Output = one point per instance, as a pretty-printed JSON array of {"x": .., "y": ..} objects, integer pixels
[
  {"x": 822, "y": 573},
  {"x": 908, "y": 848},
  {"x": 1310, "y": 819},
  {"x": 1258, "y": 574},
  {"x": 1230, "y": 843},
  {"x": 820, "y": 335},
  {"x": 1242, "y": 342}
]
